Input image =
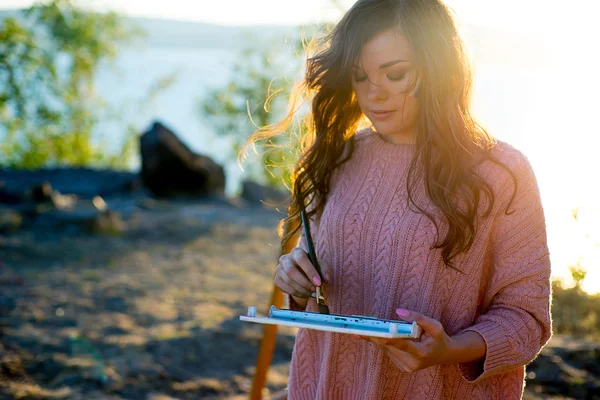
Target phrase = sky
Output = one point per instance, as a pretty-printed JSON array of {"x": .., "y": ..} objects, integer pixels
[
  {"x": 570, "y": 135},
  {"x": 514, "y": 15}
]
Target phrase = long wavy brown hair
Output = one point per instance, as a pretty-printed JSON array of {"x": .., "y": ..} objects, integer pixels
[{"x": 450, "y": 143}]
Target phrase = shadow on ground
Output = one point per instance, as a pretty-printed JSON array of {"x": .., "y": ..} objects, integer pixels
[{"x": 153, "y": 311}]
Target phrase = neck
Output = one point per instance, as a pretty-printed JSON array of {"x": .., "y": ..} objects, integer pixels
[{"x": 399, "y": 138}]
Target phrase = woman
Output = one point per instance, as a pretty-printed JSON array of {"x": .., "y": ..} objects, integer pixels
[{"x": 421, "y": 216}]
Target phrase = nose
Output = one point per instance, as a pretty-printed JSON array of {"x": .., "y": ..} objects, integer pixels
[{"x": 376, "y": 91}]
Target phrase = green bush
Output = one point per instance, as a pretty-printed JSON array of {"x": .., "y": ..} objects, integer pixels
[
  {"x": 49, "y": 56},
  {"x": 575, "y": 312},
  {"x": 256, "y": 96}
]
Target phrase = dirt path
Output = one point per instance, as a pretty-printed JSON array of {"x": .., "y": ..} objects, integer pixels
[{"x": 150, "y": 313}]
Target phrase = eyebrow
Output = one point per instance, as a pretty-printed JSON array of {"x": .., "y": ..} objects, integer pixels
[{"x": 385, "y": 65}]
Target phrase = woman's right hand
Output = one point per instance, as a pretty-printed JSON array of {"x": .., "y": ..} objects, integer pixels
[{"x": 296, "y": 276}]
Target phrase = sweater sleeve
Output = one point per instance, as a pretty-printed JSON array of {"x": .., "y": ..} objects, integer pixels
[{"x": 515, "y": 322}]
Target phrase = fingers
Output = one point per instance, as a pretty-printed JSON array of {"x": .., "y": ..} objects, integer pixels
[
  {"x": 301, "y": 259},
  {"x": 291, "y": 281},
  {"x": 289, "y": 289},
  {"x": 290, "y": 276},
  {"x": 408, "y": 346},
  {"x": 415, "y": 349},
  {"x": 299, "y": 283},
  {"x": 375, "y": 340},
  {"x": 429, "y": 325},
  {"x": 296, "y": 275}
]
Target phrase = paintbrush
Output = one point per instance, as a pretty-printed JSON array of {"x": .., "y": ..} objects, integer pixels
[{"x": 320, "y": 293}]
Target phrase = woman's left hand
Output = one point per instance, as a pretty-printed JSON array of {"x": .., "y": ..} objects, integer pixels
[{"x": 410, "y": 355}]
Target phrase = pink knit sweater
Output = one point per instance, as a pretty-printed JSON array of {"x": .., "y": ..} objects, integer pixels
[{"x": 380, "y": 252}]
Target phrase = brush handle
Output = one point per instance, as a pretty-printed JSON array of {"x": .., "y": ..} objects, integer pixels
[{"x": 309, "y": 244}]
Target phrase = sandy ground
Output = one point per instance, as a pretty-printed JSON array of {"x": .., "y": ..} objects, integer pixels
[{"x": 151, "y": 313}]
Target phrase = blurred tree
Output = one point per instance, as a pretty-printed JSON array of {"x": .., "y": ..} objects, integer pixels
[
  {"x": 578, "y": 273},
  {"x": 48, "y": 106},
  {"x": 256, "y": 96},
  {"x": 574, "y": 311}
]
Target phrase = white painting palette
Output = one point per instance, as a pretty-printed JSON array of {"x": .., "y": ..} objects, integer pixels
[{"x": 354, "y": 324}]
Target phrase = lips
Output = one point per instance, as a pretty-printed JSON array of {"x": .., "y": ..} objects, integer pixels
[{"x": 382, "y": 114}]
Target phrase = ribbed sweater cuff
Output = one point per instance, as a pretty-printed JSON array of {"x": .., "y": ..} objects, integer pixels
[{"x": 497, "y": 353}]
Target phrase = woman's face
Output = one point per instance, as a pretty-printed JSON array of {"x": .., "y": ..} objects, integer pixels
[{"x": 383, "y": 81}]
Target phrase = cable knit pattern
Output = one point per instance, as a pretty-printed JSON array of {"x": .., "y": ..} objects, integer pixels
[{"x": 380, "y": 251}]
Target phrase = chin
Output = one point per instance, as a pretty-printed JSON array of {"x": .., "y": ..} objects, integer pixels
[{"x": 385, "y": 130}]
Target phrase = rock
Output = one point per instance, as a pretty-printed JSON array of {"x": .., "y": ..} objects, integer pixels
[
  {"x": 42, "y": 193},
  {"x": 106, "y": 223},
  {"x": 84, "y": 215},
  {"x": 567, "y": 368},
  {"x": 99, "y": 203},
  {"x": 16, "y": 185},
  {"x": 171, "y": 169},
  {"x": 64, "y": 201},
  {"x": 10, "y": 220},
  {"x": 48, "y": 199},
  {"x": 258, "y": 194}
]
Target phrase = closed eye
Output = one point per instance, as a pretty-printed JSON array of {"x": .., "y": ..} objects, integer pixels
[
  {"x": 396, "y": 77},
  {"x": 393, "y": 78}
]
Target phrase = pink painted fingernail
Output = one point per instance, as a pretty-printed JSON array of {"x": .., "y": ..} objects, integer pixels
[
  {"x": 317, "y": 281},
  {"x": 402, "y": 312}
]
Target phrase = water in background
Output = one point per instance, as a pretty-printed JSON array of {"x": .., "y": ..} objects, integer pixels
[
  {"x": 521, "y": 104},
  {"x": 504, "y": 96},
  {"x": 126, "y": 84}
]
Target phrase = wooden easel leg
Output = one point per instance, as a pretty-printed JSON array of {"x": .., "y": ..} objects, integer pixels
[
  {"x": 266, "y": 350},
  {"x": 267, "y": 344}
]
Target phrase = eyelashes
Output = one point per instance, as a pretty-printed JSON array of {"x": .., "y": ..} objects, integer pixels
[
  {"x": 391, "y": 77},
  {"x": 396, "y": 78}
]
